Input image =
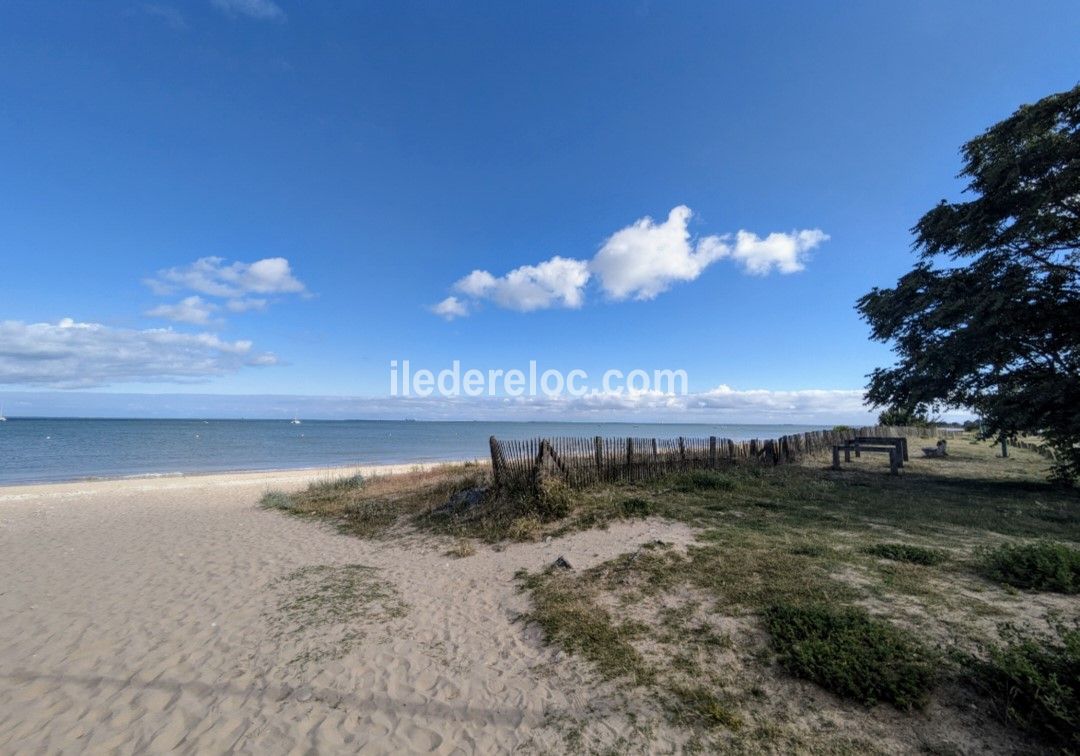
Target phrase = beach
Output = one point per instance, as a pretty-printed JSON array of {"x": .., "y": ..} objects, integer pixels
[{"x": 150, "y": 615}]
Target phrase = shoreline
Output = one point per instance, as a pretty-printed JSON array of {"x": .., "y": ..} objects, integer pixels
[{"x": 148, "y": 481}]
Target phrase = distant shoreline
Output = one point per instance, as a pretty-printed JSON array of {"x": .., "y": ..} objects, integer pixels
[{"x": 382, "y": 468}]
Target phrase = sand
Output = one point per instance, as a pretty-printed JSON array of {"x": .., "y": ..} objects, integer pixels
[{"x": 153, "y": 615}]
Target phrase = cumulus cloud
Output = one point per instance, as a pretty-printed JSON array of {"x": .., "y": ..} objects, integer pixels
[
  {"x": 645, "y": 259},
  {"x": 68, "y": 354},
  {"x": 785, "y": 253},
  {"x": 211, "y": 276},
  {"x": 193, "y": 309},
  {"x": 262, "y": 10},
  {"x": 638, "y": 262},
  {"x": 246, "y": 304},
  {"x": 558, "y": 282},
  {"x": 451, "y": 308}
]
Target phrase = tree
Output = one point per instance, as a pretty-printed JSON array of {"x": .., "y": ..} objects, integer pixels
[
  {"x": 994, "y": 325},
  {"x": 916, "y": 418}
]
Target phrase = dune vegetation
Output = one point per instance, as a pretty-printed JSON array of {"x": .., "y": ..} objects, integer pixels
[{"x": 942, "y": 595}]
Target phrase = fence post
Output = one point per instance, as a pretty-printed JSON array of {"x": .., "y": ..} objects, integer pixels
[
  {"x": 712, "y": 451},
  {"x": 496, "y": 462},
  {"x": 599, "y": 443},
  {"x": 1004, "y": 447}
]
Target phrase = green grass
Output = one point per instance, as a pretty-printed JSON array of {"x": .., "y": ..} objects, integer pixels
[
  {"x": 1043, "y": 566},
  {"x": 903, "y": 552},
  {"x": 570, "y": 618},
  {"x": 1034, "y": 682},
  {"x": 852, "y": 654},
  {"x": 801, "y": 553}
]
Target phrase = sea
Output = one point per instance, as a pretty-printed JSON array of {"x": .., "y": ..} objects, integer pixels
[{"x": 36, "y": 450}]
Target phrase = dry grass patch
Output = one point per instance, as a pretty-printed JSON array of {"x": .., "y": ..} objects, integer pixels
[
  {"x": 371, "y": 506},
  {"x": 326, "y": 610}
]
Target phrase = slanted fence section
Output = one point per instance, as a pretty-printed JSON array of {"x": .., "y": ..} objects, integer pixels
[{"x": 582, "y": 462}]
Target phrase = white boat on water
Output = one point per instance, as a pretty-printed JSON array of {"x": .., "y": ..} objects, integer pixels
[
  {"x": 2, "y": 418},
  {"x": 295, "y": 421}
]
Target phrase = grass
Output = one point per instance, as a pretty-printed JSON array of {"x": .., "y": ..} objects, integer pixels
[
  {"x": 462, "y": 549},
  {"x": 372, "y": 507},
  {"x": 852, "y": 579},
  {"x": 1043, "y": 566},
  {"x": 570, "y": 618},
  {"x": 904, "y": 552},
  {"x": 852, "y": 654},
  {"x": 326, "y": 608},
  {"x": 1034, "y": 682}
]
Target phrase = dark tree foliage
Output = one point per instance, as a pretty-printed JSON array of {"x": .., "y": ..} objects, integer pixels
[
  {"x": 989, "y": 318},
  {"x": 910, "y": 417}
]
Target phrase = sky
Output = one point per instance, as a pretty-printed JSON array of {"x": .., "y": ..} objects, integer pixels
[{"x": 250, "y": 199}]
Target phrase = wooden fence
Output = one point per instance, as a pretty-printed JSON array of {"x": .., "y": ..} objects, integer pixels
[{"x": 585, "y": 461}]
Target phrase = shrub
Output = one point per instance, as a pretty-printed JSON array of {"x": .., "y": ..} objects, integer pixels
[
  {"x": 1034, "y": 682},
  {"x": 553, "y": 500},
  {"x": 1043, "y": 566},
  {"x": 852, "y": 654},
  {"x": 903, "y": 552}
]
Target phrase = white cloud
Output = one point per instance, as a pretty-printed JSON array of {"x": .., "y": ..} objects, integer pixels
[
  {"x": 640, "y": 262},
  {"x": 247, "y": 304},
  {"x": 558, "y": 282},
  {"x": 193, "y": 309},
  {"x": 213, "y": 277},
  {"x": 645, "y": 259},
  {"x": 785, "y": 253},
  {"x": 263, "y": 10},
  {"x": 68, "y": 354},
  {"x": 451, "y": 308}
]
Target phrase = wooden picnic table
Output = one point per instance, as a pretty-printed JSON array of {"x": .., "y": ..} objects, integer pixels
[
  {"x": 898, "y": 440},
  {"x": 893, "y": 450}
]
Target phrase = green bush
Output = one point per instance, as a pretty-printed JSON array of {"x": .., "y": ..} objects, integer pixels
[
  {"x": 903, "y": 552},
  {"x": 1043, "y": 566},
  {"x": 1034, "y": 682},
  {"x": 852, "y": 654}
]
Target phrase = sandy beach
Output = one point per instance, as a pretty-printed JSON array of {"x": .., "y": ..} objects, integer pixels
[{"x": 152, "y": 615}]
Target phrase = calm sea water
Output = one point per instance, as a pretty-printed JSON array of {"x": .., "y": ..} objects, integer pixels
[{"x": 33, "y": 450}]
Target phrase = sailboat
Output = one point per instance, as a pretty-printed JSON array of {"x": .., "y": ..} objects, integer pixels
[
  {"x": 294, "y": 421},
  {"x": 2, "y": 418}
]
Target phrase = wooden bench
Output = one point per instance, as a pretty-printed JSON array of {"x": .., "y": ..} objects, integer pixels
[
  {"x": 893, "y": 450},
  {"x": 899, "y": 441}
]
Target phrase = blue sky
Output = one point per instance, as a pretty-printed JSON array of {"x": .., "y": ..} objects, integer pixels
[{"x": 373, "y": 155}]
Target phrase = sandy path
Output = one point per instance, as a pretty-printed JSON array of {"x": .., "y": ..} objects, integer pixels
[{"x": 144, "y": 616}]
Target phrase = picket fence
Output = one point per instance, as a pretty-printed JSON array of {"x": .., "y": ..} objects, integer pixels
[{"x": 585, "y": 461}]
